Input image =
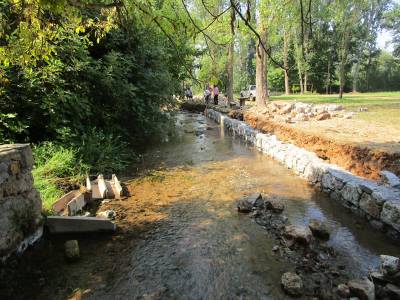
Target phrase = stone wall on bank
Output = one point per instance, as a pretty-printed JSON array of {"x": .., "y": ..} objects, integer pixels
[
  {"x": 378, "y": 203},
  {"x": 20, "y": 203}
]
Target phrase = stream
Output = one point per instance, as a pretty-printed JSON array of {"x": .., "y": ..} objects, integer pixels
[{"x": 204, "y": 248}]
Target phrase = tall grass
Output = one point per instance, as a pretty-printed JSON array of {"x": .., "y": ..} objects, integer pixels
[{"x": 56, "y": 168}]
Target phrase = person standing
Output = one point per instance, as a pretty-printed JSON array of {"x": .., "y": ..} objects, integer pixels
[
  {"x": 207, "y": 94},
  {"x": 216, "y": 93}
]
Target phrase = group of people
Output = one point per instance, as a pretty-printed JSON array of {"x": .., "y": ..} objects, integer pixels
[{"x": 211, "y": 90}]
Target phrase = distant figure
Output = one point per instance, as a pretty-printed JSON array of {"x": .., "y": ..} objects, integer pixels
[
  {"x": 216, "y": 93},
  {"x": 207, "y": 94},
  {"x": 188, "y": 93}
]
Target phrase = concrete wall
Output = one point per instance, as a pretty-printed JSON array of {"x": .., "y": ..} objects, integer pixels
[
  {"x": 20, "y": 203},
  {"x": 379, "y": 204}
]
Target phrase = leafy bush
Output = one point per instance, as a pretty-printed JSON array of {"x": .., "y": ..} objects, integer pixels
[{"x": 104, "y": 153}]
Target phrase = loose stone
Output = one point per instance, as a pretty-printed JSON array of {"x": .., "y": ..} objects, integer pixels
[
  {"x": 247, "y": 203},
  {"x": 389, "y": 264},
  {"x": 299, "y": 234},
  {"x": 319, "y": 229},
  {"x": 362, "y": 288},
  {"x": 108, "y": 214},
  {"x": 72, "y": 250},
  {"x": 343, "y": 290},
  {"x": 292, "y": 284}
]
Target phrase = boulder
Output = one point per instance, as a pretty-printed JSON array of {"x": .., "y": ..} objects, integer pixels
[
  {"x": 323, "y": 116},
  {"x": 275, "y": 205},
  {"x": 364, "y": 289},
  {"x": 292, "y": 284},
  {"x": 391, "y": 214},
  {"x": 299, "y": 234},
  {"x": 319, "y": 229},
  {"x": 247, "y": 203},
  {"x": 390, "y": 265},
  {"x": 390, "y": 179},
  {"x": 369, "y": 205},
  {"x": 286, "y": 109},
  {"x": 72, "y": 250}
]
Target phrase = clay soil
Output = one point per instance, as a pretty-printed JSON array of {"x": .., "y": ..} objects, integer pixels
[{"x": 361, "y": 147}]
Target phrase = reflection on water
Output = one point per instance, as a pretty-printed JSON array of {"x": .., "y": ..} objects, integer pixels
[{"x": 208, "y": 250}]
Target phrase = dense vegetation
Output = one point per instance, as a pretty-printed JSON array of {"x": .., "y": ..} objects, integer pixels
[{"x": 87, "y": 81}]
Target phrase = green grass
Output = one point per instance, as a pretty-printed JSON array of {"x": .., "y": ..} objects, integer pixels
[{"x": 55, "y": 167}]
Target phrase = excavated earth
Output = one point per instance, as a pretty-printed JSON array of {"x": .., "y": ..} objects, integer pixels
[{"x": 360, "y": 160}]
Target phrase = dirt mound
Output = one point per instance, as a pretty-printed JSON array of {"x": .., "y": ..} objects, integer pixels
[{"x": 360, "y": 161}]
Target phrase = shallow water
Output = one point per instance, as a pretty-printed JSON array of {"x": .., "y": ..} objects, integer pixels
[{"x": 205, "y": 249}]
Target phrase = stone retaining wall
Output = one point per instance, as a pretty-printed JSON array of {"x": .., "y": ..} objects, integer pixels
[
  {"x": 378, "y": 203},
  {"x": 20, "y": 203}
]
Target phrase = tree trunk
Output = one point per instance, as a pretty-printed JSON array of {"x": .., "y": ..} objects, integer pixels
[
  {"x": 261, "y": 70},
  {"x": 328, "y": 78},
  {"x": 343, "y": 61},
  {"x": 305, "y": 82},
  {"x": 229, "y": 89},
  {"x": 286, "y": 62},
  {"x": 356, "y": 69}
]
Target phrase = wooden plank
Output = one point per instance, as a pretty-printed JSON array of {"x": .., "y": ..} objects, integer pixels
[
  {"x": 117, "y": 186},
  {"x": 63, "y": 224},
  {"x": 60, "y": 206},
  {"x": 102, "y": 186},
  {"x": 76, "y": 204}
]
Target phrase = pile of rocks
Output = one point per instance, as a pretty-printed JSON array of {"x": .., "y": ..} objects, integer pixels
[
  {"x": 315, "y": 266},
  {"x": 299, "y": 111},
  {"x": 317, "y": 269}
]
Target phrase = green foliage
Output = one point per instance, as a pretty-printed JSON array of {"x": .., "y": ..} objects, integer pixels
[{"x": 105, "y": 153}]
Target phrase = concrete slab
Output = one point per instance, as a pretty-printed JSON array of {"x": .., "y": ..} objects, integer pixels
[
  {"x": 102, "y": 186},
  {"x": 59, "y": 207},
  {"x": 117, "y": 186},
  {"x": 63, "y": 224},
  {"x": 76, "y": 204}
]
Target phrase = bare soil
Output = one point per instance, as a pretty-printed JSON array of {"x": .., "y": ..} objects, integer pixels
[{"x": 352, "y": 144}]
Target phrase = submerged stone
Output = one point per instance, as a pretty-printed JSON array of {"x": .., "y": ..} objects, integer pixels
[
  {"x": 247, "y": 203},
  {"x": 362, "y": 288},
  {"x": 319, "y": 229},
  {"x": 292, "y": 284}
]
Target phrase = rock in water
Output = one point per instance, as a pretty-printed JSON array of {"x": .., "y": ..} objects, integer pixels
[
  {"x": 362, "y": 288},
  {"x": 319, "y": 229},
  {"x": 343, "y": 291},
  {"x": 389, "y": 264},
  {"x": 247, "y": 203},
  {"x": 299, "y": 234},
  {"x": 292, "y": 284},
  {"x": 72, "y": 250},
  {"x": 275, "y": 205}
]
